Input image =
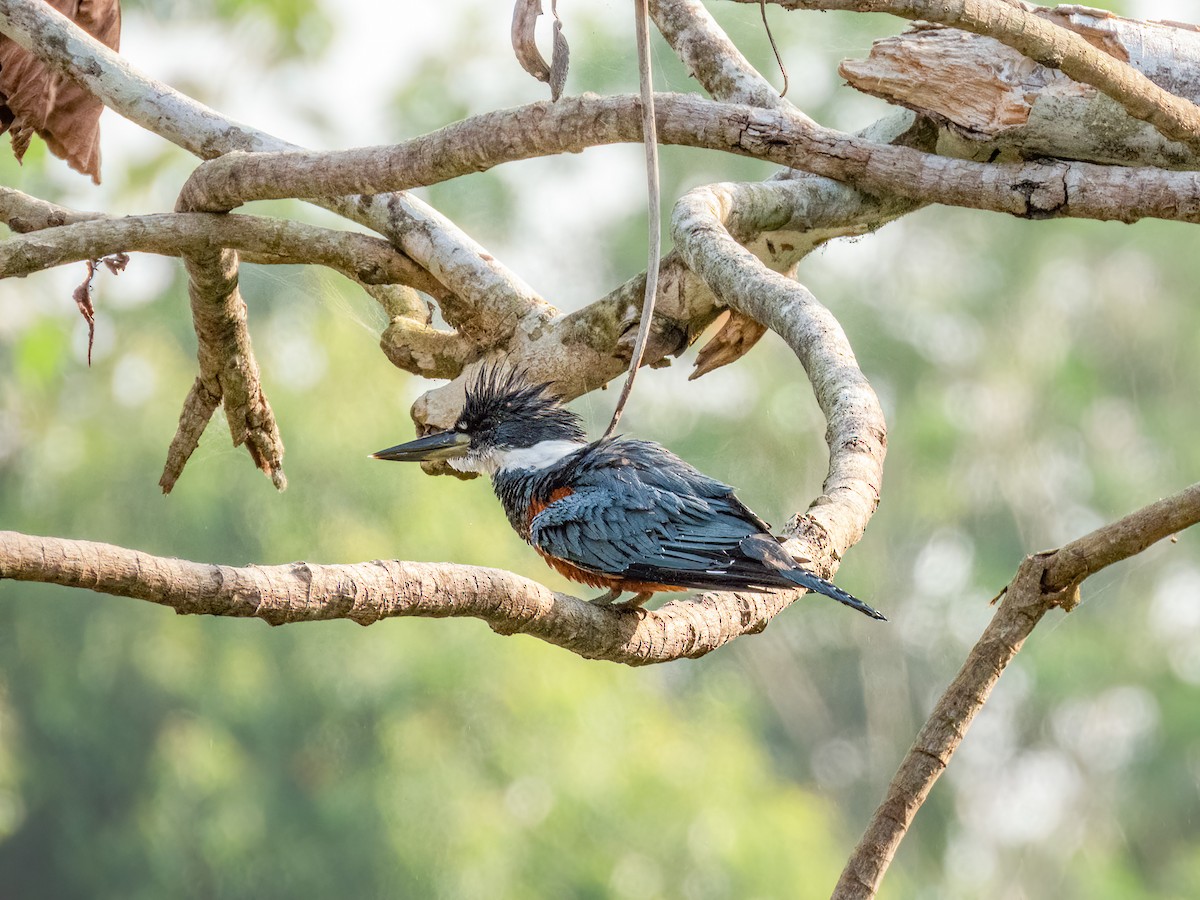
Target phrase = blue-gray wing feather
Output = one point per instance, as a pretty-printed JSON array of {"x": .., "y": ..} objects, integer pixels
[{"x": 640, "y": 512}]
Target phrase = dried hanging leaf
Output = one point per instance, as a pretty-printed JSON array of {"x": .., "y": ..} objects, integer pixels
[
  {"x": 737, "y": 335},
  {"x": 83, "y": 299},
  {"x": 37, "y": 100},
  {"x": 83, "y": 294},
  {"x": 524, "y": 41},
  {"x": 560, "y": 56},
  {"x": 524, "y": 27}
]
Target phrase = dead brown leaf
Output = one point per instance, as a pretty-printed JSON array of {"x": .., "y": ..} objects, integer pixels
[
  {"x": 737, "y": 335},
  {"x": 83, "y": 294},
  {"x": 83, "y": 299},
  {"x": 524, "y": 27},
  {"x": 35, "y": 99}
]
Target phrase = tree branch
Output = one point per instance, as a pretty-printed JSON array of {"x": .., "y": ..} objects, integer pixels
[
  {"x": 583, "y": 350},
  {"x": 492, "y": 301},
  {"x": 1042, "y": 582},
  {"x": 857, "y": 433},
  {"x": 713, "y": 59},
  {"x": 228, "y": 371},
  {"x": 368, "y": 592},
  {"x": 362, "y": 257},
  {"x": 1028, "y": 29},
  {"x": 408, "y": 341},
  {"x": 991, "y": 99},
  {"x": 1031, "y": 190}
]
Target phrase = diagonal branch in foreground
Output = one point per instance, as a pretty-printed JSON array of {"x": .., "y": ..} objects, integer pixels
[
  {"x": 368, "y": 592},
  {"x": 1043, "y": 581}
]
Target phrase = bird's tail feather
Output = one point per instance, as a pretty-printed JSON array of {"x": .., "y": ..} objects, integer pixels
[
  {"x": 766, "y": 550},
  {"x": 829, "y": 589}
]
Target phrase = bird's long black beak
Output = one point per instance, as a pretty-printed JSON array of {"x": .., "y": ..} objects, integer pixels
[{"x": 439, "y": 445}]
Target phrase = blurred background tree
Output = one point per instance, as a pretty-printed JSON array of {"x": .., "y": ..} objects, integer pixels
[{"x": 1038, "y": 380}]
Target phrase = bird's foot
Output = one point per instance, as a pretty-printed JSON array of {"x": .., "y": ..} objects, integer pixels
[
  {"x": 636, "y": 601},
  {"x": 607, "y": 598}
]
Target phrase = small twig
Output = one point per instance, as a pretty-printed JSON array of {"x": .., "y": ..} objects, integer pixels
[
  {"x": 762, "y": 8},
  {"x": 653, "y": 210}
]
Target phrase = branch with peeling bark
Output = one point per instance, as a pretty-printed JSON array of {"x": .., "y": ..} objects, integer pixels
[
  {"x": 1046, "y": 37},
  {"x": 990, "y": 97}
]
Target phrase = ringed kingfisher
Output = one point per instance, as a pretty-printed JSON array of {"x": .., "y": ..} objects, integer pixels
[{"x": 627, "y": 515}]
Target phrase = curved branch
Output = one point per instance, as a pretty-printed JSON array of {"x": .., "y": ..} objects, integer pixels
[
  {"x": 371, "y": 591},
  {"x": 583, "y": 350},
  {"x": 1042, "y": 582},
  {"x": 857, "y": 434},
  {"x": 1028, "y": 29}
]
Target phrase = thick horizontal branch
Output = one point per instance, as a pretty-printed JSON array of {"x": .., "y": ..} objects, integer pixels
[
  {"x": 368, "y": 592},
  {"x": 1043, "y": 189},
  {"x": 1030, "y": 30},
  {"x": 1042, "y": 582}
]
